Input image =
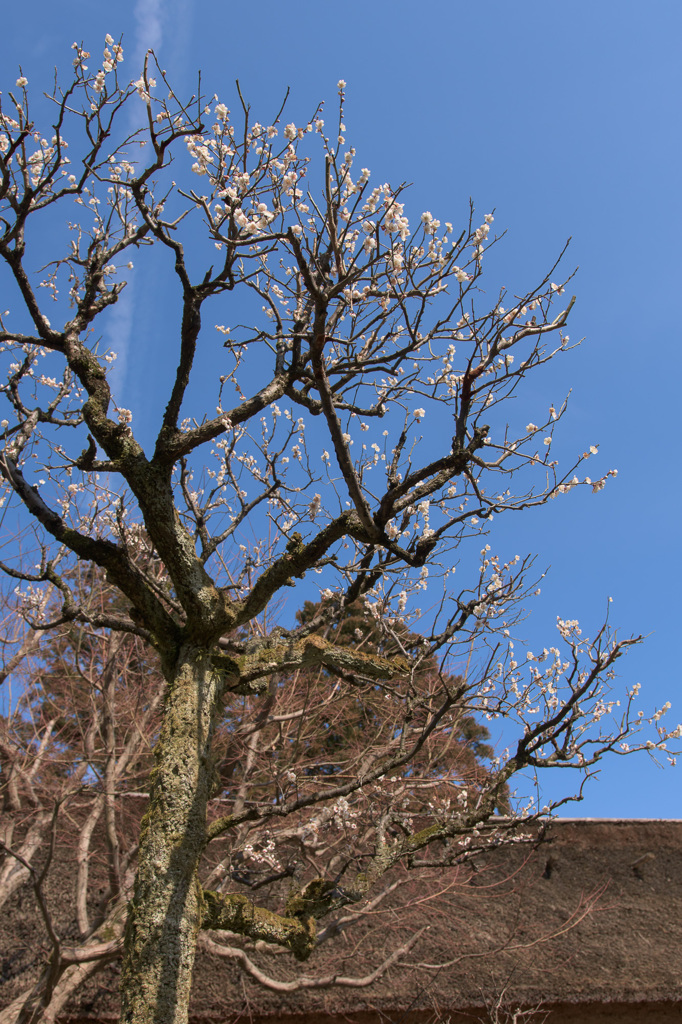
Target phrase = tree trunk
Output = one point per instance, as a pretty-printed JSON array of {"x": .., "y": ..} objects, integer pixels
[{"x": 165, "y": 912}]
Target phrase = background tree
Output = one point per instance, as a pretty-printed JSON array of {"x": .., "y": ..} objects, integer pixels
[
  {"x": 77, "y": 739},
  {"x": 348, "y": 317},
  {"x": 362, "y": 721},
  {"x": 76, "y": 755}
]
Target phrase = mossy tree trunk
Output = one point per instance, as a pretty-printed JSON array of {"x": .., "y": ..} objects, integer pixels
[{"x": 166, "y": 910}]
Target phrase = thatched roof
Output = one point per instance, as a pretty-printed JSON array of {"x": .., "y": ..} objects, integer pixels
[{"x": 491, "y": 928}]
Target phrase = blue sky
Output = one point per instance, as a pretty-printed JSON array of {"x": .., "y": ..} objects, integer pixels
[{"x": 565, "y": 118}]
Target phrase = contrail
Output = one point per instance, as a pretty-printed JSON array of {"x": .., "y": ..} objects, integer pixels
[
  {"x": 148, "y": 29},
  {"x": 119, "y": 333},
  {"x": 155, "y": 27},
  {"x": 148, "y": 36}
]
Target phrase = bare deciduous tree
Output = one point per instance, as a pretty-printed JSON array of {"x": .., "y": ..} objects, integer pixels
[
  {"x": 350, "y": 333},
  {"x": 76, "y": 758}
]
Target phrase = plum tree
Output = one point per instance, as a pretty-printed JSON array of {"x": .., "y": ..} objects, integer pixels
[{"x": 355, "y": 339}]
